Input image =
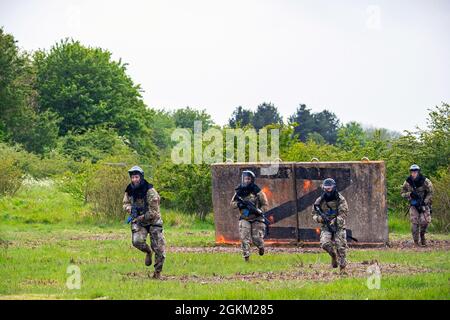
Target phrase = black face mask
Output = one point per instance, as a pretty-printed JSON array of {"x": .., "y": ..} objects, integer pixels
[
  {"x": 330, "y": 196},
  {"x": 140, "y": 190},
  {"x": 244, "y": 191},
  {"x": 418, "y": 181}
]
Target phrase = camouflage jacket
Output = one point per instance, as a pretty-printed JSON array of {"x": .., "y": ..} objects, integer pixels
[
  {"x": 424, "y": 188},
  {"x": 153, "y": 215},
  {"x": 259, "y": 200},
  {"x": 339, "y": 205}
]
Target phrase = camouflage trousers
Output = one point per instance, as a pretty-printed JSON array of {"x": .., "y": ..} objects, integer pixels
[
  {"x": 337, "y": 247},
  {"x": 251, "y": 232},
  {"x": 157, "y": 242},
  {"x": 419, "y": 221}
]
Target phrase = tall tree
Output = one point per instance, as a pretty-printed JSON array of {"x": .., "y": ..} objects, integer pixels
[
  {"x": 326, "y": 124},
  {"x": 266, "y": 113},
  {"x": 86, "y": 88},
  {"x": 309, "y": 124},
  {"x": 20, "y": 121},
  {"x": 351, "y": 136},
  {"x": 185, "y": 118},
  {"x": 240, "y": 118}
]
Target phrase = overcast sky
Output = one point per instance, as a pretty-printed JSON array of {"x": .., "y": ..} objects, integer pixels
[{"x": 377, "y": 62}]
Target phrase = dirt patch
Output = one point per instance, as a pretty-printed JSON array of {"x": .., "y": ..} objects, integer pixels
[
  {"x": 395, "y": 245},
  {"x": 310, "y": 272},
  {"x": 36, "y": 242},
  {"x": 29, "y": 296},
  {"x": 40, "y": 282},
  {"x": 432, "y": 245},
  {"x": 237, "y": 249}
]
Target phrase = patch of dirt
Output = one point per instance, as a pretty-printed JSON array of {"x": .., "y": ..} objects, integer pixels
[
  {"x": 40, "y": 282},
  {"x": 394, "y": 245},
  {"x": 34, "y": 243},
  {"x": 432, "y": 245},
  {"x": 29, "y": 296},
  {"x": 100, "y": 236},
  {"x": 310, "y": 272}
]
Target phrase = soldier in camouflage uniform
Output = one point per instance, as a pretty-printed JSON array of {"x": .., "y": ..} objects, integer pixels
[
  {"x": 251, "y": 225},
  {"x": 142, "y": 196},
  {"x": 418, "y": 190},
  {"x": 331, "y": 202}
]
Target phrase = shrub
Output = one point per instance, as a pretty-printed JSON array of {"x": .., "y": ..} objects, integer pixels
[
  {"x": 11, "y": 176},
  {"x": 441, "y": 201}
]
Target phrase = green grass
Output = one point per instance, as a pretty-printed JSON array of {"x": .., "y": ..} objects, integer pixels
[
  {"x": 36, "y": 260},
  {"x": 43, "y": 231}
]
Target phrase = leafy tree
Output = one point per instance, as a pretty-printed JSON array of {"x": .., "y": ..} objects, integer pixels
[
  {"x": 266, "y": 113},
  {"x": 324, "y": 123},
  {"x": 241, "y": 118},
  {"x": 86, "y": 88},
  {"x": 19, "y": 120},
  {"x": 185, "y": 118},
  {"x": 93, "y": 145},
  {"x": 351, "y": 136}
]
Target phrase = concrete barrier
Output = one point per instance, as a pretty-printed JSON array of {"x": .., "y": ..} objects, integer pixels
[{"x": 291, "y": 193}]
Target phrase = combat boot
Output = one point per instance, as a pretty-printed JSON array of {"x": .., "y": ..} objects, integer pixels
[
  {"x": 148, "y": 258},
  {"x": 423, "y": 241},
  {"x": 157, "y": 275},
  {"x": 261, "y": 251},
  {"x": 247, "y": 259},
  {"x": 343, "y": 271}
]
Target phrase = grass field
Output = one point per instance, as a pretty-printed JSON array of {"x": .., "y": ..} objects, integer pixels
[{"x": 44, "y": 231}]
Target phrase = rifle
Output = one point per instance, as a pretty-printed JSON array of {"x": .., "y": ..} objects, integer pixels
[
  {"x": 135, "y": 212},
  {"x": 255, "y": 210},
  {"x": 416, "y": 200},
  {"x": 327, "y": 218}
]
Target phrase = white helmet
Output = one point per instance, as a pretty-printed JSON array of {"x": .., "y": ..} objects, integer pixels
[
  {"x": 414, "y": 167},
  {"x": 136, "y": 170},
  {"x": 247, "y": 173}
]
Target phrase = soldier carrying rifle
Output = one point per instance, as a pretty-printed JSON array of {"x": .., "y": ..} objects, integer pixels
[
  {"x": 141, "y": 201},
  {"x": 418, "y": 190},
  {"x": 330, "y": 210},
  {"x": 252, "y": 203}
]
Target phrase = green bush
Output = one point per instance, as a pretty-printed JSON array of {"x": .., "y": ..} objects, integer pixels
[
  {"x": 104, "y": 191},
  {"x": 105, "y": 184},
  {"x": 441, "y": 201},
  {"x": 185, "y": 187},
  {"x": 11, "y": 176}
]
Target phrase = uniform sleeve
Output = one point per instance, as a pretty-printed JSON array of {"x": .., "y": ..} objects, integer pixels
[
  {"x": 429, "y": 188},
  {"x": 153, "y": 201},
  {"x": 126, "y": 202},
  {"x": 343, "y": 206},
  {"x": 406, "y": 192},
  {"x": 314, "y": 214},
  {"x": 234, "y": 203},
  {"x": 263, "y": 202}
]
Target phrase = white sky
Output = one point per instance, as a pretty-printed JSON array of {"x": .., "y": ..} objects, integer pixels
[{"x": 377, "y": 62}]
